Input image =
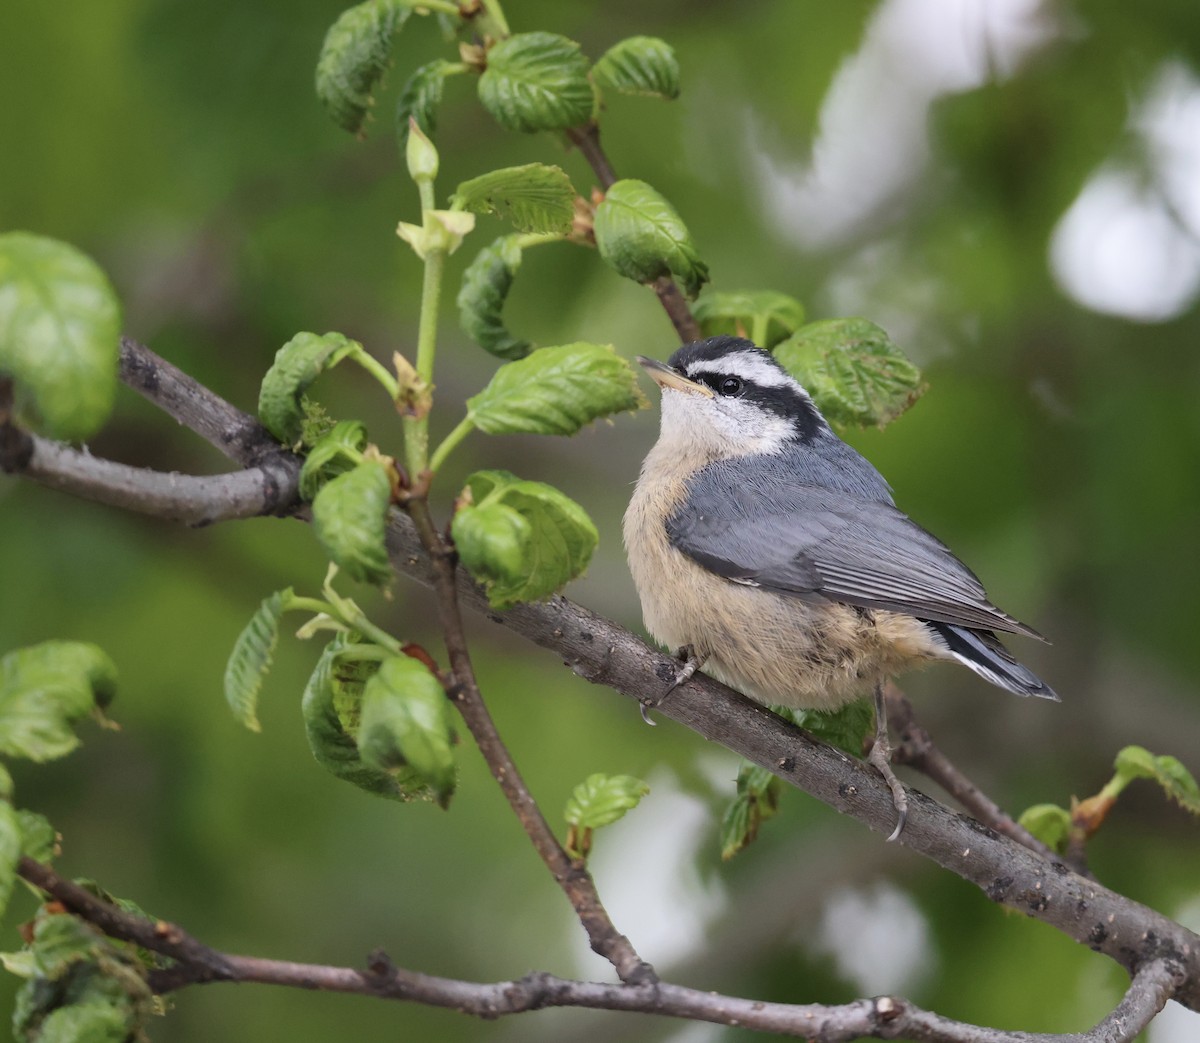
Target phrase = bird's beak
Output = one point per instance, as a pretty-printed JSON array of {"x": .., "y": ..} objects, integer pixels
[{"x": 665, "y": 377}]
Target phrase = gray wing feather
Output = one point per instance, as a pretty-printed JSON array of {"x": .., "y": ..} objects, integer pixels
[{"x": 758, "y": 521}]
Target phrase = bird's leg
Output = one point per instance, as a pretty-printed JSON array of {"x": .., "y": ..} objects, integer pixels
[
  {"x": 880, "y": 756},
  {"x": 689, "y": 662}
]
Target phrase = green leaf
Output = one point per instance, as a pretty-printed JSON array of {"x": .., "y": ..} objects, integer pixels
[
  {"x": 1049, "y": 823},
  {"x": 766, "y": 317},
  {"x": 44, "y": 690},
  {"x": 332, "y": 709},
  {"x": 1136, "y": 762},
  {"x": 251, "y": 659},
  {"x": 537, "y": 81},
  {"x": 39, "y": 839},
  {"x": 354, "y": 57},
  {"x": 60, "y": 328},
  {"x": 297, "y": 364},
  {"x": 601, "y": 800},
  {"x": 10, "y": 851},
  {"x": 640, "y": 235},
  {"x": 420, "y": 97},
  {"x": 335, "y": 452},
  {"x": 350, "y": 519},
  {"x": 756, "y": 801},
  {"x": 406, "y": 721},
  {"x": 853, "y": 371},
  {"x": 95, "y": 1022},
  {"x": 555, "y": 391},
  {"x": 485, "y": 286},
  {"x": 535, "y": 198},
  {"x": 844, "y": 727},
  {"x": 639, "y": 65},
  {"x": 521, "y": 540}
]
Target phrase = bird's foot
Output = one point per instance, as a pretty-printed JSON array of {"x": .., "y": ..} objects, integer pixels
[
  {"x": 689, "y": 663},
  {"x": 880, "y": 755}
]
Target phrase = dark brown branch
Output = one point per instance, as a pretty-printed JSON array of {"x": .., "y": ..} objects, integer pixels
[
  {"x": 269, "y": 488},
  {"x": 572, "y": 876},
  {"x": 918, "y": 750},
  {"x": 587, "y": 140},
  {"x": 884, "y": 1017}
]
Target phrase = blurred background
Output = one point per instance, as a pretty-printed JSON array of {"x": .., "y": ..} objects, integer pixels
[{"x": 1010, "y": 187}]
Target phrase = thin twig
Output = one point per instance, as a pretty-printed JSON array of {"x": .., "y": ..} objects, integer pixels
[
  {"x": 884, "y": 1017},
  {"x": 571, "y": 875}
]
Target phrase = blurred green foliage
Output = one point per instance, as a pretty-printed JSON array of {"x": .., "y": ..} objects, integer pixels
[{"x": 1057, "y": 451}]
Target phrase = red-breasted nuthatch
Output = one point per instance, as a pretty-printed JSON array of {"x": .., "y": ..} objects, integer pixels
[{"x": 773, "y": 553}]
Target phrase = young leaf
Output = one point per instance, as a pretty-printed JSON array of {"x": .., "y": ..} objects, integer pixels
[
  {"x": 60, "y": 327},
  {"x": 44, "y": 690},
  {"x": 1049, "y": 823},
  {"x": 639, "y": 65},
  {"x": 485, "y": 286},
  {"x": 336, "y": 452},
  {"x": 251, "y": 659},
  {"x": 1135, "y": 762},
  {"x": 521, "y": 540},
  {"x": 535, "y": 197},
  {"x": 39, "y": 839},
  {"x": 599, "y": 800},
  {"x": 405, "y": 721},
  {"x": 640, "y": 235},
  {"x": 853, "y": 371},
  {"x": 10, "y": 851},
  {"x": 537, "y": 81},
  {"x": 555, "y": 391},
  {"x": 332, "y": 709},
  {"x": 420, "y": 97},
  {"x": 350, "y": 519},
  {"x": 756, "y": 801},
  {"x": 844, "y": 728},
  {"x": 355, "y": 56},
  {"x": 766, "y": 317},
  {"x": 297, "y": 364}
]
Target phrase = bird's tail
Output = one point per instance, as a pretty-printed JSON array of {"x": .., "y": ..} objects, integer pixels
[{"x": 982, "y": 652}]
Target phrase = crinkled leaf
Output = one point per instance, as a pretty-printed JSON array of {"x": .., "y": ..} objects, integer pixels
[
  {"x": 844, "y": 727},
  {"x": 336, "y": 452},
  {"x": 555, "y": 391},
  {"x": 39, "y": 839},
  {"x": 354, "y": 57},
  {"x": 94, "y": 1022},
  {"x": 640, "y": 235},
  {"x": 853, "y": 371},
  {"x": 765, "y": 316},
  {"x": 420, "y": 98},
  {"x": 537, "y": 81},
  {"x": 297, "y": 364},
  {"x": 1136, "y": 762},
  {"x": 485, "y": 287},
  {"x": 1049, "y": 823},
  {"x": 60, "y": 328},
  {"x": 10, "y": 851},
  {"x": 534, "y": 197},
  {"x": 405, "y": 721},
  {"x": 601, "y": 800},
  {"x": 756, "y": 801},
  {"x": 44, "y": 690},
  {"x": 350, "y": 519},
  {"x": 521, "y": 540},
  {"x": 332, "y": 708},
  {"x": 251, "y": 659},
  {"x": 639, "y": 65}
]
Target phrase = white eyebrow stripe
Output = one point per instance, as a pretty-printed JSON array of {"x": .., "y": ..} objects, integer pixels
[{"x": 748, "y": 366}]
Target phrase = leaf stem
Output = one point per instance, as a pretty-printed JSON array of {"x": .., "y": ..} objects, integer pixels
[
  {"x": 379, "y": 371},
  {"x": 416, "y": 429},
  {"x": 496, "y": 14},
  {"x": 450, "y": 443}
]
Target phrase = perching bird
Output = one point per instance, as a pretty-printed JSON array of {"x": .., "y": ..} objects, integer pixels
[{"x": 771, "y": 552}]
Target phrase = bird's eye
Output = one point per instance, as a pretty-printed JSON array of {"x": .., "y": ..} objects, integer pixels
[{"x": 729, "y": 386}]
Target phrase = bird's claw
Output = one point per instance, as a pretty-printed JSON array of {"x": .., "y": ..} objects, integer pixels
[
  {"x": 880, "y": 756},
  {"x": 690, "y": 662}
]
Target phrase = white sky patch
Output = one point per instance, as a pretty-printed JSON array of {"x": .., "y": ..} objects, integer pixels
[
  {"x": 1177, "y": 1024},
  {"x": 873, "y": 144},
  {"x": 1130, "y": 243},
  {"x": 878, "y": 938},
  {"x": 645, "y": 867}
]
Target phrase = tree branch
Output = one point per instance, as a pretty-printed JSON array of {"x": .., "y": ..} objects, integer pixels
[{"x": 884, "y": 1017}]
